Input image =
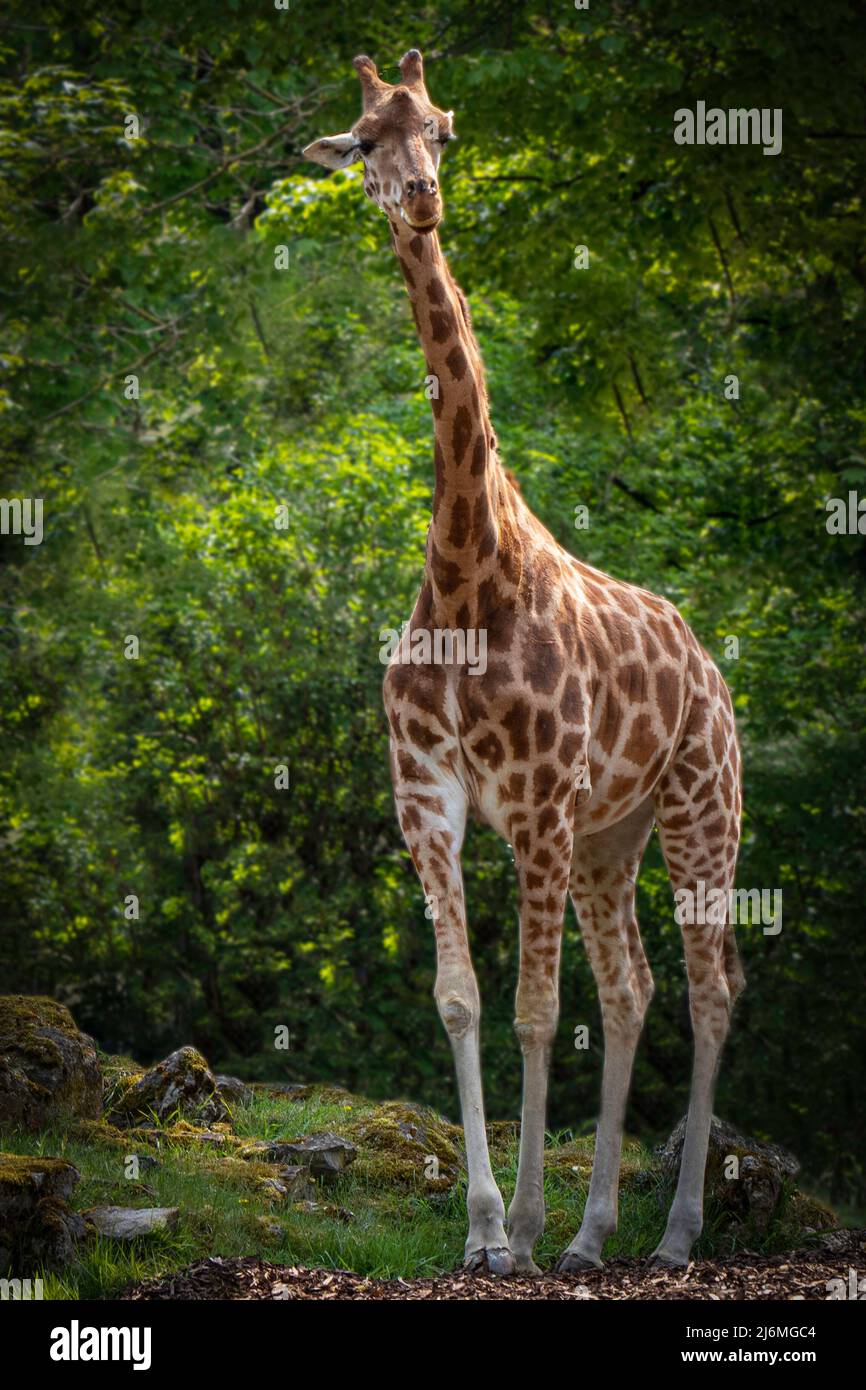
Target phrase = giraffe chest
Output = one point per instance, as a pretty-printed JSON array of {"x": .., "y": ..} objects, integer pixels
[
  {"x": 522, "y": 753},
  {"x": 586, "y": 748},
  {"x": 588, "y": 725}
]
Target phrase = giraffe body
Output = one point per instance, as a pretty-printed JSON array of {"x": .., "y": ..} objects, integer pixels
[{"x": 598, "y": 715}]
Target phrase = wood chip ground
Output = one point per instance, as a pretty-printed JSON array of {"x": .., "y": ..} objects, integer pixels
[{"x": 802, "y": 1274}]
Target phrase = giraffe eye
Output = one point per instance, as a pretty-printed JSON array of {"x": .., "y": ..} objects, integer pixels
[
  {"x": 366, "y": 146},
  {"x": 445, "y": 136}
]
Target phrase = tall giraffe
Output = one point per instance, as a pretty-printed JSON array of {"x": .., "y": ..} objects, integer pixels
[{"x": 598, "y": 715}]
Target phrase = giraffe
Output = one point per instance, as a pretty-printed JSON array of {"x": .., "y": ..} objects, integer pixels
[{"x": 598, "y": 715}]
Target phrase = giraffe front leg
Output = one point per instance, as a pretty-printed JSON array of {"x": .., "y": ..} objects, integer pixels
[
  {"x": 433, "y": 822},
  {"x": 542, "y": 854}
]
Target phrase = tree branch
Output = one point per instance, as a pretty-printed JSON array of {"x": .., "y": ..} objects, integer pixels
[
  {"x": 723, "y": 259},
  {"x": 622, "y": 410},
  {"x": 639, "y": 497}
]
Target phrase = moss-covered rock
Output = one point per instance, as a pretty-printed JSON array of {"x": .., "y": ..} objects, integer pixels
[
  {"x": 182, "y": 1086},
  {"x": 118, "y": 1074},
  {"x": 99, "y": 1133},
  {"x": 328, "y": 1094},
  {"x": 503, "y": 1139},
  {"x": 22, "y": 1174},
  {"x": 266, "y": 1229},
  {"x": 744, "y": 1176},
  {"x": 184, "y": 1135},
  {"x": 809, "y": 1214},
  {"x": 329, "y": 1209},
  {"x": 572, "y": 1159},
  {"x": 37, "y": 1229},
  {"x": 49, "y": 1069},
  {"x": 407, "y": 1146},
  {"x": 52, "y": 1236},
  {"x": 281, "y": 1090},
  {"x": 241, "y": 1172}
]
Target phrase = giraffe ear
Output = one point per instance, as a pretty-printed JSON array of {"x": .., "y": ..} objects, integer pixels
[{"x": 334, "y": 151}]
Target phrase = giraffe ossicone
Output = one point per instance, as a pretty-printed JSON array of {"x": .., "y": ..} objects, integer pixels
[{"x": 598, "y": 715}]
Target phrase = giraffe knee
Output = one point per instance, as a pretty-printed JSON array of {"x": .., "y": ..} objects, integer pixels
[
  {"x": 535, "y": 1032},
  {"x": 710, "y": 1002},
  {"x": 458, "y": 1013},
  {"x": 624, "y": 1007},
  {"x": 535, "y": 1019}
]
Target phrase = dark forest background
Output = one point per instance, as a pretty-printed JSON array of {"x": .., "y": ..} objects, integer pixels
[{"x": 303, "y": 388}]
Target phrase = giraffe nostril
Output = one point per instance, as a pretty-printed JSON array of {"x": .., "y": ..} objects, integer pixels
[{"x": 420, "y": 187}]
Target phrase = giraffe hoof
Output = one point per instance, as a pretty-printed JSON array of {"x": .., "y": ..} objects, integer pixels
[
  {"x": 659, "y": 1260},
  {"x": 572, "y": 1263},
  {"x": 525, "y": 1264},
  {"x": 497, "y": 1260}
]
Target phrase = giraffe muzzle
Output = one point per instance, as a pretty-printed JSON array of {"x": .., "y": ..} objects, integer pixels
[{"x": 422, "y": 205}]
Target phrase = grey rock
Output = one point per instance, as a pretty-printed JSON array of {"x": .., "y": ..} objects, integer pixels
[
  {"x": 233, "y": 1090},
  {"x": 128, "y": 1223},
  {"x": 297, "y": 1180},
  {"x": 848, "y": 1241},
  {"x": 282, "y": 1090},
  {"x": 325, "y": 1155},
  {"x": 146, "y": 1162}
]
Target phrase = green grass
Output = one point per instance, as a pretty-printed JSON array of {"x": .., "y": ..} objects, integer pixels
[{"x": 398, "y": 1228}]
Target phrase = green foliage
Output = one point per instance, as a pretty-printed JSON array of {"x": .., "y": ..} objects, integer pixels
[{"x": 302, "y": 388}]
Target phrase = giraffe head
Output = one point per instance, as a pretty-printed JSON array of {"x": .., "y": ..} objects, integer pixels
[{"x": 399, "y": 137}]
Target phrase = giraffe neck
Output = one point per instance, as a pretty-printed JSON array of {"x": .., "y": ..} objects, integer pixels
[{"x": 468, "y": 495}]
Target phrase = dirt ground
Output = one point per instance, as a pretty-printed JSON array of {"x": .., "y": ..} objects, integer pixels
[{"x": 801, "y": 1274}]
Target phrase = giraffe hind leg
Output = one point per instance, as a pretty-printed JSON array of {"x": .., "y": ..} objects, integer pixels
[
  {"x": 699, "y": 822},
  {"x": 602, "y": 884},
  {"x": 543, "y": 839}
]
